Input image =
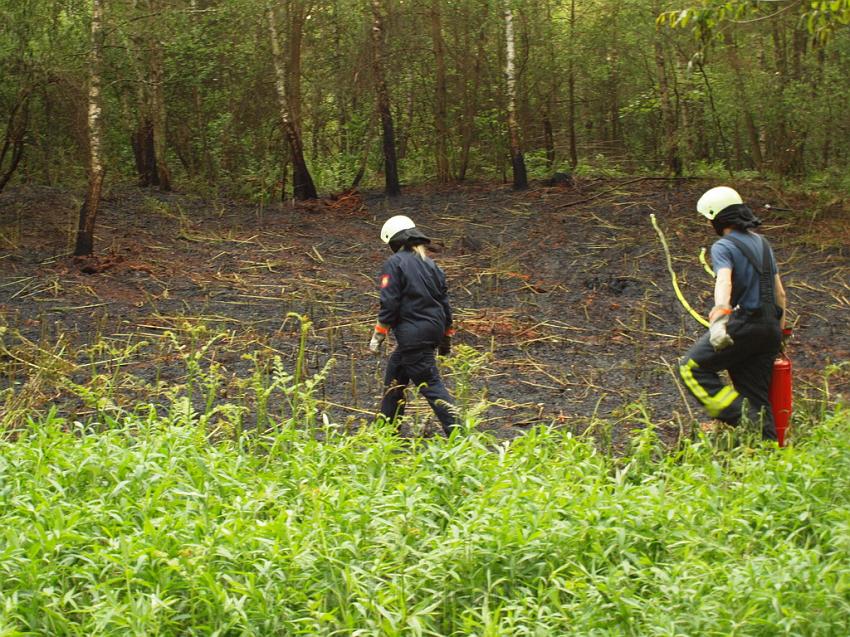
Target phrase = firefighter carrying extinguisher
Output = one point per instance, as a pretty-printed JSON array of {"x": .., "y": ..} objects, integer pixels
[{"x": 746, "y": 322}]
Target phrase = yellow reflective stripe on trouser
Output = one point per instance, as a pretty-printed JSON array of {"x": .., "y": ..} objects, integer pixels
[{"x": 714, "y": 405}]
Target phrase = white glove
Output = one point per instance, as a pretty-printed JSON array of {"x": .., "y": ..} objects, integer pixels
[
  {"x": 375, "y": 343},
  {"x": 717, "y": 335}
]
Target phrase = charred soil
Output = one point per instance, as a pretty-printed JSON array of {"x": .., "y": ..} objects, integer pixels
[{"x": 564, "y": 291}]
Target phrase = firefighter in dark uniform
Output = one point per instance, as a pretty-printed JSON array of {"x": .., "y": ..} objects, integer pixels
[
  {"x": 415, "y": 306},
  {"x": 746, "y": 321}
]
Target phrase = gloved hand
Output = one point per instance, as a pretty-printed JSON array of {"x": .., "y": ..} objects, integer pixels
[
  {"x": 445, "y": 346},
  {"x": 375, "y": 343},
  {"x": 718, "y": 337}
]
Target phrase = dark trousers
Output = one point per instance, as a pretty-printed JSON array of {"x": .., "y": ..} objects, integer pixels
[
  {"x": 420, "y": 368},
  {"x": 749, "y": 362}
]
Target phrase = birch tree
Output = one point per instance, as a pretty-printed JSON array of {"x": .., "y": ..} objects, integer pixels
[
  {"x": 517, "y": 158},
  {"x": 303, "y": 186},
  {"x": 96, "y": 171}
]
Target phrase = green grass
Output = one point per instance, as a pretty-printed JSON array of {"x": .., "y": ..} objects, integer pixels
[{"x": 148, "y": 528}]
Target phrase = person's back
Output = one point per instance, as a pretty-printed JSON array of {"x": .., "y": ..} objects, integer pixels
[
  {"x": 414, "y": 300},
  {"x": 415, "y": 306},
  {"x": 727, "y": 253},
  {"x": 746, "y": 320}
]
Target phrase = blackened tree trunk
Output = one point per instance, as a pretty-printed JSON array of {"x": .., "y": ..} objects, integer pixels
[
  {"x": 440, "y": 96},
  {"x": 550, "y": 97},
  {"x": 88, "y": 211},
  {"x": 302, "y": 183},
  {"x": 364, "y": 154},
  {"x": 517, "y": 158},
  {"x": 13, "y": 141},
  {"x": 143, "y": 153},
  {"x": 142, "y": 39},
  {"x": 392, "y": 186},
  {"x": 571, "y": 88}
]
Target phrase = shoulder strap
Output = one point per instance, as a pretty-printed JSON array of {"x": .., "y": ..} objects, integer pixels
[
  {"x": 748, "y": 252},
  {"x": 766, "y": 295}
]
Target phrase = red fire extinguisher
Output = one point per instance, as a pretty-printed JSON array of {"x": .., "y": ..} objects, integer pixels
[{"x": 780, "y": 392}]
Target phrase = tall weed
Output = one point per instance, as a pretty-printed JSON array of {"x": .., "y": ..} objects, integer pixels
[{"x": 139, "y": 529}]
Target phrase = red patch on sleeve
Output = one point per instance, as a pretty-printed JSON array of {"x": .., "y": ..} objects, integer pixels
[{"x": 385, "y": 281}]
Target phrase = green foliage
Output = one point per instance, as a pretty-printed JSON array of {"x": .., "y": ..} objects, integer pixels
[
  {"x": 258, "y": 514},
  {"x": 222, "y": 119},
  {"x": 464, "y": 365},
  {"x": 146, "y": 529},
  {"x": 820, "y": 17},
  {"x": 599, "y": 166},
  {"x": 831, "y": 180}
]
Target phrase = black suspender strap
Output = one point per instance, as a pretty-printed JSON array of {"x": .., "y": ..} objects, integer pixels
[{"x": 766, "y": 295}]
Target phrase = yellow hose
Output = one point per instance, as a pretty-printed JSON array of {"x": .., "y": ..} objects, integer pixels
[
  {"x": 705, "y": 265},
  {"x": 676, "y": 289}
]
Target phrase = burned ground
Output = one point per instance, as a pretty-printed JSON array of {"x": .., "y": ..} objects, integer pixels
[{"x": 563, "y": 294}]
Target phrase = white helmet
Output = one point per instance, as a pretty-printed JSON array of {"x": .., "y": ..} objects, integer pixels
[
  {"x": 715, "y": 200},
  {"x": 394, "y": 225}
]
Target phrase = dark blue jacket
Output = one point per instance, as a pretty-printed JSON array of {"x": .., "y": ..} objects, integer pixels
[{"x": 414, "y": 300}]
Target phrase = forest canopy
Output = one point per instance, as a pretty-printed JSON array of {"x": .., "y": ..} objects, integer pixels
[{"x": 294, "y": 97}]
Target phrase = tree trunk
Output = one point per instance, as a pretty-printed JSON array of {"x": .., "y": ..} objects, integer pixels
[
  {"x": 302, "y": 183},
  {"x": 831, "y": 123},
  {"x": 800, "y": 132},
  {"x": 692, "y": 123},
  {"x": 404, "y": 118},
  {"x": 470, "y": 94},
  {"x": 745, "y": 107},
  {"x": 88, "y": 211},
  {"x": 13, "y": 141},
  {"x": 295, "y": 39},
  {"x": 517, "y": 157},
  {"x": 149, "y": 139},
  {"x": 440, "y": 96},
  {"x": 548, "y": 136},
  {"x": 142, "y": 137},
  {"x": 143, "y": 152},
  {"x": 364, "y": 154},
  {"x": 786, "y": 150},
  {"x": 284, "y": 172},
  {"x": 669, "y": 130},
  {"x": 341, "y": 98},
  {"x": 392, "y": 186},
  {"x": 571, "y": 89},
  {"x": 553, "y": 73},
  {"x": 724, "y": 144},
  {"x": 198, "y": 161},
  {"x": 158, "y": 117},
  {"x": 613, "y": 59}
]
